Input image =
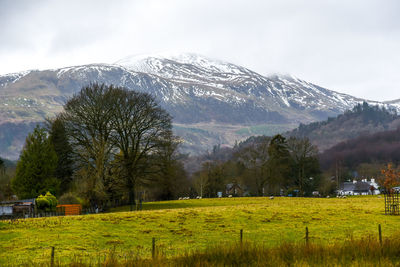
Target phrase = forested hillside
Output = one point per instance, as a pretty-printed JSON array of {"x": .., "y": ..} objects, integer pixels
[
  {"x": 367, "y": 150},
  {"x": 361, "y": 120}
]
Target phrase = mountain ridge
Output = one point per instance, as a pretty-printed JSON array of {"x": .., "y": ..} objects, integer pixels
[{"x": 212, "y": 101}]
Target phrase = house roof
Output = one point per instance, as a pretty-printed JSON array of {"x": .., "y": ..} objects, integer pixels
[
  {"x": 20, "y": 201},
  {"x": 347, "y": 186},
  {"x": 362, "y": 187},
  {"x": 356, "y": 187}
]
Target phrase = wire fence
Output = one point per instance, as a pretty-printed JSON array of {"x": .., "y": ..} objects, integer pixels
[{"x": 242, "y": 239}]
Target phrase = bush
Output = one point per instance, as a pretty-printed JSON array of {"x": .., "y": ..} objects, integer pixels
[
  {"x": 42, "y": 202},
  {"x": 47, "y": 202}
]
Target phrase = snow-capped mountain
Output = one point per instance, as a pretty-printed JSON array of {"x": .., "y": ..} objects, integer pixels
[
  {"x": 394, "y": 103},
  {"x": 226, "y": 82},
  {"x": 211, "y": 101}
]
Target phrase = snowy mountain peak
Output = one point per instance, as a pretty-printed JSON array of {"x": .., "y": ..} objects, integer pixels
[{"x": 169, "y": 64}]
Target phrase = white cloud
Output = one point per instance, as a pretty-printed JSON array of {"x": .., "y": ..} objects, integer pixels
[{"x": 347, "y": 46}]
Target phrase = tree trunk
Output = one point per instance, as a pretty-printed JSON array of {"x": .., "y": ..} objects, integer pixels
[
  {"x": 131, "y": 182},
  {"x": 132, "y": 201}
]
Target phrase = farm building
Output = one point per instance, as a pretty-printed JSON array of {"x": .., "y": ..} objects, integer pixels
[
  {"x": 70, "y": 209},
  {"x": 17, "y": 207},
  {"x": 363, "y": 187}
]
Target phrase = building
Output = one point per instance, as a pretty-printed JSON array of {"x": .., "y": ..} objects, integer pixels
[
  {"x": 71, "y": 209},
  {"x": 363, "y": 187},
  {"x": 23, "y": 207}
]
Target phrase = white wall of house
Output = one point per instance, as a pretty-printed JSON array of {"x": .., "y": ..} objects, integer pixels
[
  {"x": 345, "y": 193},
  {"x": 6, "y": 210}
]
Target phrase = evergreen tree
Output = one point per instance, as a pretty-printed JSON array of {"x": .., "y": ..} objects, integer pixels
[
  {"x": 59, "y": 139},
  {"x": 36, "y": 167},
  {"x": 279, "y": 162}
]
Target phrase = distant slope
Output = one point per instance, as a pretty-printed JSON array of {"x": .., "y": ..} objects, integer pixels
[
  {"x": 12, "y": 138},
  {"x": 361, "y": 120},
  {"x": 381, "y": 148}
]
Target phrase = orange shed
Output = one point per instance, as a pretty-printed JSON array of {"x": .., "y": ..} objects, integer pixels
[{"x": 70, "y": 209}]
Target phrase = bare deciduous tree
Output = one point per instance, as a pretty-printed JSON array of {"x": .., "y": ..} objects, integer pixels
[
  {"x": 115, "y": 132},
  {"x": 140, "y": 129}
]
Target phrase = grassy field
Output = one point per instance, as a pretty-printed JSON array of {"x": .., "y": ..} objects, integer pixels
[{"x": 187, "y": 225}]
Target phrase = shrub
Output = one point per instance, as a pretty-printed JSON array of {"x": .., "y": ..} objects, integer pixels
[
  {"x": 42, "y": 202},
  {"x": 47, "y": 202}
]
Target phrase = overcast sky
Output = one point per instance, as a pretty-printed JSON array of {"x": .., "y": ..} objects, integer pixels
[{"x": 347, "y": 46}]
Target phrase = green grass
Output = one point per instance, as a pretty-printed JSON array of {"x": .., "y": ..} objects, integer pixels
[
  {"x": 180, "y": 226},
  {"x": 190, "y": 203},
  {"x": 362, "y": 252},
  {"x": 265, "y": 129}
]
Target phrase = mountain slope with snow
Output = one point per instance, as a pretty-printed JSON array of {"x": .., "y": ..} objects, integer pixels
[
  {"x": 211, "y": 101},
  {"x": 231, "y": 83},
  {"x": 394, "y": 103}
]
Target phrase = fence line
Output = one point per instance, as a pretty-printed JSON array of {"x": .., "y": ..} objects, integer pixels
[
  {"x": 41, "y": 214},
  {"x": 154, "y": 252}
]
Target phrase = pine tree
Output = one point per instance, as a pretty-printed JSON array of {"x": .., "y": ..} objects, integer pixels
[
  {"x": 59, "y": 139},
  {"x": 279, "y": 162},
  {"x": 36, "y": 167}
]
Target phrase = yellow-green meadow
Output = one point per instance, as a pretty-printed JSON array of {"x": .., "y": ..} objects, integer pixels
[{"x": 186, "y": 225}]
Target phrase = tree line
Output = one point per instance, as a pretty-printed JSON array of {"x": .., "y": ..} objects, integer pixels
[{"x": 262, "y": 166}]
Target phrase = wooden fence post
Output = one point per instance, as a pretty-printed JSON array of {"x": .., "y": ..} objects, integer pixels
[
  {"x": 52, "y": 257},
  {"x": 380, "y": 234},
  {"x": 153, "y": 249},
  {"x": 241, "y": 236},
  {"x": 307, "y": 235}
]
